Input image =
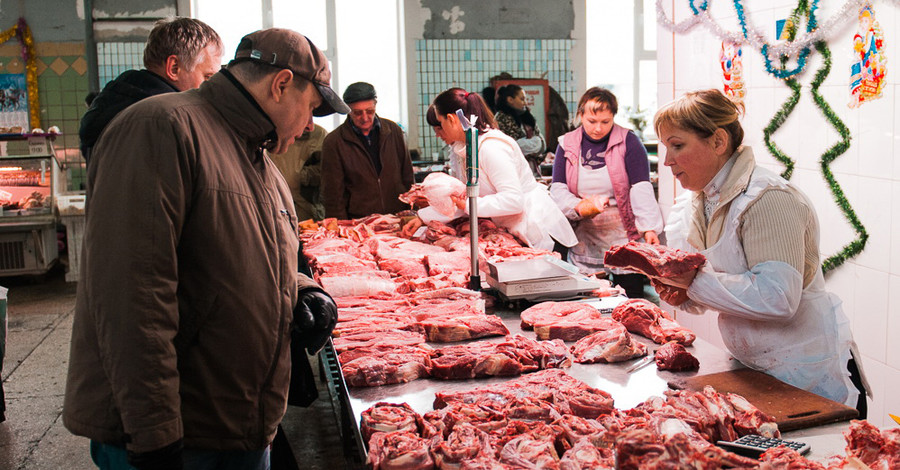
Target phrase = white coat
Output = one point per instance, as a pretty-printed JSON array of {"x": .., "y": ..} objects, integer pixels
[
  {"x": 768, "y": 321},
  {"x": 508, "y": 194}
]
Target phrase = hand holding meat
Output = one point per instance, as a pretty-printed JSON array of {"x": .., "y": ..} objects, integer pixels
[
  {"x": 409, "y": 229},
  {"x": 314, "y": 318},
  {"x": 671, "y": 295},
  {"x": 591, "y": 206}
]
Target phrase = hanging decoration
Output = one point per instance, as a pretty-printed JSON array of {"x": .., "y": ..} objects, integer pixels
[
  {"x": 798, "y": 49},
  {"x": 751, "y": 35},
  {"x": 856, "y": 246},
  {"x": 789, "y": 32},
  {"x": 23, "y": 34},
  {"x": 732, "y": 71},
  {"x": 869, "y": 64}
]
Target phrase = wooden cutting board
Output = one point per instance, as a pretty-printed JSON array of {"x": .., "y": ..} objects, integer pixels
[{"x": 793, "y": 408}]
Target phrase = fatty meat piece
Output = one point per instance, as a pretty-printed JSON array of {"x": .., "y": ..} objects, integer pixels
[
  {"x": 439, "y": 188},
  {"x": 673, "y": 356},
  {"x": 652, "y": 260},
  {"x": 613, "y": 345},
  {"x": 389, "y": 417}
]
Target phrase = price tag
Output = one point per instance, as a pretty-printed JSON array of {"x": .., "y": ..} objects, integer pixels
[{"x": 38, "y": 146}]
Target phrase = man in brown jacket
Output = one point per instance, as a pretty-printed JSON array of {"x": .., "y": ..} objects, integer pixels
[
  {"x": 365, "y": 161},
  {"x": 180, "y": 354}
]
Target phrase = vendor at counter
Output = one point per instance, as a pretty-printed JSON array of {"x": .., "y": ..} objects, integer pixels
[
  {"x": 508, "y": 193},
  {"x": 760, "y": 236}
]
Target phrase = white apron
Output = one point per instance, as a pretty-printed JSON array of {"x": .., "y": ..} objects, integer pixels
[
  {"x": 810, "y": 350},
  {"x": 596, "y": 234}
]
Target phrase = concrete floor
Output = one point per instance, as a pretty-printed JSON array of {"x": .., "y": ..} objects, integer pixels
[{"x": 40, "y": 312}]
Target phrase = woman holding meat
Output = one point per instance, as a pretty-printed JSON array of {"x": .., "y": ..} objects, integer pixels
[
  {"x": 601, "y": 182},
  {"x": 508, "y": 193},
  {"x": 760, "y": 236}
]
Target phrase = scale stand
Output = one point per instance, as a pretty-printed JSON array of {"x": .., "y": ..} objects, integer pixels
[{"x": 468, "y": 126}]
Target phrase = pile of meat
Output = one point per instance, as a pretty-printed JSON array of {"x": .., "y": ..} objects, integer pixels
[
  {"x": 395, "y": 294},
  {"x": 867, "y": 448},
  {"x": 600, "y": 338},
  {"x": 550, "y": 420},
  {"x": 395, "y": 360},
  {"x": 652, "y": 260}
]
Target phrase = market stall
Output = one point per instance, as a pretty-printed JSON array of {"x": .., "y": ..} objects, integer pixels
[{"x": 28, "y": 185}]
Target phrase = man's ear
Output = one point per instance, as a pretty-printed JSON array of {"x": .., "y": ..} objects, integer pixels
[
  {"x": 280, "y": 82},
  {"x": 172, "y": 68}
]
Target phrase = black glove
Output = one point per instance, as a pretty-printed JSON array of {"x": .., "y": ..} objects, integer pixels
[
  {"x": 167, "y": 458},
  {"x": 314, "y": 318}
]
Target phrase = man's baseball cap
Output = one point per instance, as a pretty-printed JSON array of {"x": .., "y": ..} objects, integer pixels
[{"x": 291, "y": 50}]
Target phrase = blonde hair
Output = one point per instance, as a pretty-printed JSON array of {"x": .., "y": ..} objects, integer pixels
[{"x": 702, "y": 112}]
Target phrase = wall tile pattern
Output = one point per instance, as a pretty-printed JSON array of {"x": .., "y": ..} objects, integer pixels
[{"x": 470, "y": 63}]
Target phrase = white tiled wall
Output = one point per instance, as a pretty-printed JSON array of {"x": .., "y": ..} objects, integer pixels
[
  {"x": 869, "y": 172},
  {"x": 470, "y": 64}
]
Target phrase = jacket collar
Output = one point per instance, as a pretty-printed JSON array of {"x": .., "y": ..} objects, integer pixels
[
  {"x": 704, "y": 234},
  {"x": 240, "y": 110}
]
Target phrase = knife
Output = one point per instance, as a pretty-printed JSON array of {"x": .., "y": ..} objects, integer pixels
[{"x": 646, "y": 361}]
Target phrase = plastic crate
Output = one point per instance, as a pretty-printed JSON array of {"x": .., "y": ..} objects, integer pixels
[{"x": 74, "y": 235}]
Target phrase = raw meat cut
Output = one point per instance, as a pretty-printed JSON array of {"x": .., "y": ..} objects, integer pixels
[
  {"x": 585, "y": 455},
  {"x": 369, "y": 367},
  {"x": 513, "y": 356},
  {"x": 369, "y": 283},
  {"x": 439, "y": 189},
  {"x": 673, "y": 356},
  {"x": 377, "y": 338},
  {"x": 465, "y": 442},
  {"x": 399, "y": 450},
  {"x": 458, "y": 328},
  {"x": 546, "y": 312},
  {"x": 379, "y": 321},
  {"x": 575, "y": 326},
  {"x": 389, "y": 417},
  {"x": 652, "y": 260},
  {"x": 526, "y": 453},
  {"x": 645, "y": 318},
  {"x": 613, "y": 345},
  {"x": 875, "y": 448}
]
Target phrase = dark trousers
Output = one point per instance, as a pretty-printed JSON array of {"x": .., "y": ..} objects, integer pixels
[
  {"x": 632, "y": 283},
  {"x": 861, "y": 405}
]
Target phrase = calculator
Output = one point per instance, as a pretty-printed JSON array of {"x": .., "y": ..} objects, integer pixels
[{"x": 753, "y": 445}]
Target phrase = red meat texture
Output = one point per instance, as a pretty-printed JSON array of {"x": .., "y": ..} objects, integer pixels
[{"x": 652, "y": 260}]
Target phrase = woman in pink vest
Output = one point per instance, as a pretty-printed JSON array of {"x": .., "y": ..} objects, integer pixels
[{"x": 601, "y": 182}]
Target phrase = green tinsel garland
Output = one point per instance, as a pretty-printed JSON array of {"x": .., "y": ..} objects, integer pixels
[
  {"x": 856, "y": 246},
  {"x": 790, "y": 103},
  {"x": 777, "y": 120}
]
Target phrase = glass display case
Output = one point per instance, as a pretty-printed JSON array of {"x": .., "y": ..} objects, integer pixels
[{"x": 28, "y": 219}]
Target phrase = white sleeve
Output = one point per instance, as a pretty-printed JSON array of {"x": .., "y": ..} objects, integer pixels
[
  {"x": 532, "y": 145},
  {"x": 565, "y": 200},
  {"x": 769, "y": 291},
  {"x": 496, "y": 164},
  {"x": 647, "y": 215}
]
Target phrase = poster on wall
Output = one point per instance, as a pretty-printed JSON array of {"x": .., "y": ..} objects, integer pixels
[
  {"x": 869, "y": 63},
  {"x": 537, "y": 98},
  {"x": 13, "y": 103}
]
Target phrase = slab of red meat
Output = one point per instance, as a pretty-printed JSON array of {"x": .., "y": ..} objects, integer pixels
[
  {"x": 386, "y": 303},
  {"x": 415, "y": 197},
  {"x": 652, "y": 260},
  {"x": 377, "y": 322},
  {"x": 645, "y": 450},
  {"x": 399, "y": 451},
  {"x": 575, "y": 326},
  {"x": 451, "y": 329},
  {"x": 313, "y": 248},
  {"x": 514, "y": 355},
  {"x": 400, "y": 365},
  {"x": 673, "y": 356},
  {"x": 613, "y": 345},
  {"x": 645, "y": 318},
  {"x": 465, "y": 442},
  {"x": 404, "y": 267},
  {"x": 585, "y": 454},
  {"x": 547, "y": 312},
  {"x": 440, "y": 308},
  {"x": 389, "y": 417},
  {"x": 378, "y": 338},
  {"x": 340, "y": 263}
]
